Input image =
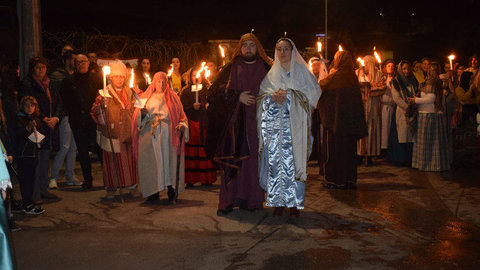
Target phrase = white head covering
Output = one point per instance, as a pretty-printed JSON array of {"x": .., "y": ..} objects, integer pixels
[
  {"x": 118, "y": 68},
  {"x": 300, "y": 79}
]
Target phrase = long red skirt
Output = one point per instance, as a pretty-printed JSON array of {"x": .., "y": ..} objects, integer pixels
[
  {"x": 198, "y": 167},
  {"x": 127, "y": 169}
]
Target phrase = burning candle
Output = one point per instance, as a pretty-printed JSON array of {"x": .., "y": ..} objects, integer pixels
[
  {"x": 310, "y": 65},
  {"x": 106, "y": 71},
  {"x": 222, "y": 52},
  {"x": 360, "y": 60},
  {"x": 132, "y": 76},
  {"x": 379, "y": 60},
  {"x": 450, "y": 58},
  {"x": 340, "y": 48},
  {"x": 149, "y": 81}
]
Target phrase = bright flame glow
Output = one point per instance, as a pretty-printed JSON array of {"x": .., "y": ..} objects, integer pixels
[
  {"x": 319, "y": 46},
  {"x": 200, "y": 70},
  {"x": 106, "y": 70},
  {"x": 149, "y": 81},
  {"x": 360, "y": 60},
  {"x": 170, "y": 71},
  {"x": 377, "y": 57},
  {"x": 340, "y": 48},
  {"x": 451, "y": 57},
  {"x": 207, "y": 73},
  {"x": 374, "y": 48},
  {"x": 310, "y": 65},
  {"x": 132, "y": 76},
  {"x": 222, "y": 50}
]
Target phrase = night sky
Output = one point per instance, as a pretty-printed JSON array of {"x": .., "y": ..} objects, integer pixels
[{"x": 409, "y": 28}]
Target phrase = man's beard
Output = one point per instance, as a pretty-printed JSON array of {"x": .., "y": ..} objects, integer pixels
[{"x": 249, "y": 58}]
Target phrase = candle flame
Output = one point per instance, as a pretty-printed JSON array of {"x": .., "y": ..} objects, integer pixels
[
  {"x": 132, "y": 75},
  {"x": 451, "y": 57},
  {"x": 149, "y": 81},
  {"x": 360, "y": 60},
  {"x": 207, "y": 73},
  {"x": 106, "y": 70},
  {"x": 340, "y": 48},
  {"x": 200, "y": 70},
  {"x": 310, "y": 65},
  {"x": 170, "y": 71},
  {"x": 222, "y": 50},
  {"x": 377, "y": 57},
  {"x": 319, "y": 46},
  {"x": 374, "y": 48}
]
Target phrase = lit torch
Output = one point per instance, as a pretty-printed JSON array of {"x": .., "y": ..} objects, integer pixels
[
  {"x": 222, "y": 52},
  {"x": 450, "y": 58},
  {"x": 340, "y": 49},
  {"x": 169, "y": 75},
  {"x": 319, "y": 49},
  {"x": 310, "y": 65},
  {"x": 197, "y": 86}
]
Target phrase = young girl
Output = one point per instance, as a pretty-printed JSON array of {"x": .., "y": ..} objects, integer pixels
[{"x": 28, "y": 121}]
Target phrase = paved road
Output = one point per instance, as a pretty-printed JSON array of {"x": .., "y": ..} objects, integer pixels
[{"x": 398, "y": 218}]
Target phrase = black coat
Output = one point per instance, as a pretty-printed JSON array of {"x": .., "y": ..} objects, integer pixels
[
  {"x": 78, "y": 93},
  {"x": 25, "y": 148},
  {"x": 29, "y": 87}
]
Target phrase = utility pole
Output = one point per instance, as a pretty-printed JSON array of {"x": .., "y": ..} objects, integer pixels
[
  {"x": 326, "y": 31},
  {"x": 30, "y": 32}
]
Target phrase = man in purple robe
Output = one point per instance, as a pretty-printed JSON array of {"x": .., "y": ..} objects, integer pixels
[{"x": 232, "y": 138}]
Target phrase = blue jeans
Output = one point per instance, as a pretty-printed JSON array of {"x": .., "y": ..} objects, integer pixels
[{"x": 67, "y": 152}]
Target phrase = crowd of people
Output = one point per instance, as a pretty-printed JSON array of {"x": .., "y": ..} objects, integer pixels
[{"x": 256, "y": 120}]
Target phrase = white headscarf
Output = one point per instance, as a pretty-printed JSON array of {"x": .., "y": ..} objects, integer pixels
[{"x": 300, "y": 79}]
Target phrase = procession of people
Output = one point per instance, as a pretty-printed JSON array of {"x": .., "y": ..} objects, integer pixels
[{"x": 255, "y": 122}]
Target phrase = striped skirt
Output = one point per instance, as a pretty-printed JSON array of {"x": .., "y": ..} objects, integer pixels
[
  {"x": 430, "y": 147},
  {"x": 127, "y": 168},
  {"x": 198, "y": 167}
]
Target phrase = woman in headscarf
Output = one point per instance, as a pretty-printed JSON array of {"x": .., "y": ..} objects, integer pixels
[
  {"x": 198, "y": 167},
  {"x": 430, "y": 147},
  {"x": 400, "y": 141},
  {"x": 119, "y": 171},
  {"x": 372, "y": 86},
  {"x": 387, "y": 102},
  {"x": 159, "y": 129},
  {"x": 287, "y": 96},
  {"x": 343, "y": 118}
]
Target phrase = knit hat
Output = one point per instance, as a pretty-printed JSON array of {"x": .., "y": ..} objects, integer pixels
[{"x": 118, "y": 68}]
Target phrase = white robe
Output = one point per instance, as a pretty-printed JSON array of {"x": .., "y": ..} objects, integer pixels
[{"x": 157, "y": 158}]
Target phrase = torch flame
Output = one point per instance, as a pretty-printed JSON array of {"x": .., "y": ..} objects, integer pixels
[
  {"x": 451, "y": 56},
  {"x": 374, "y": 48},
  {"x": 222, "y": 50},
  {"x": 310, "y": 65},
  {"x": 149, "y": 81},
  {"x": 132, "y": 75},
  {"x": 200, "y": 70},
  {"x": 378, "y": 57},
  {"x": 106, "y": 70},
  {"x": 319, "y": 46},
  {"x": 170, "y": 71},
  {"x": 340, "y": 48}
]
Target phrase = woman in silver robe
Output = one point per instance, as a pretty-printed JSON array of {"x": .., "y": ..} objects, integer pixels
[{"x": 286, "y": 99}]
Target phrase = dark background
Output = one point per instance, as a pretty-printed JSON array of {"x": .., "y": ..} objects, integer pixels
[{"x": 412, "y": 29}]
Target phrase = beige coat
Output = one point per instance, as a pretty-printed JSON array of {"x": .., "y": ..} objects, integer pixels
[{"x": 404, "y": 132}]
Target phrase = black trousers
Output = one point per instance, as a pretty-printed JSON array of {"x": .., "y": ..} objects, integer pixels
[
  {"x": 26, "y": 178},
  {"x": 84, "y": 138}
]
